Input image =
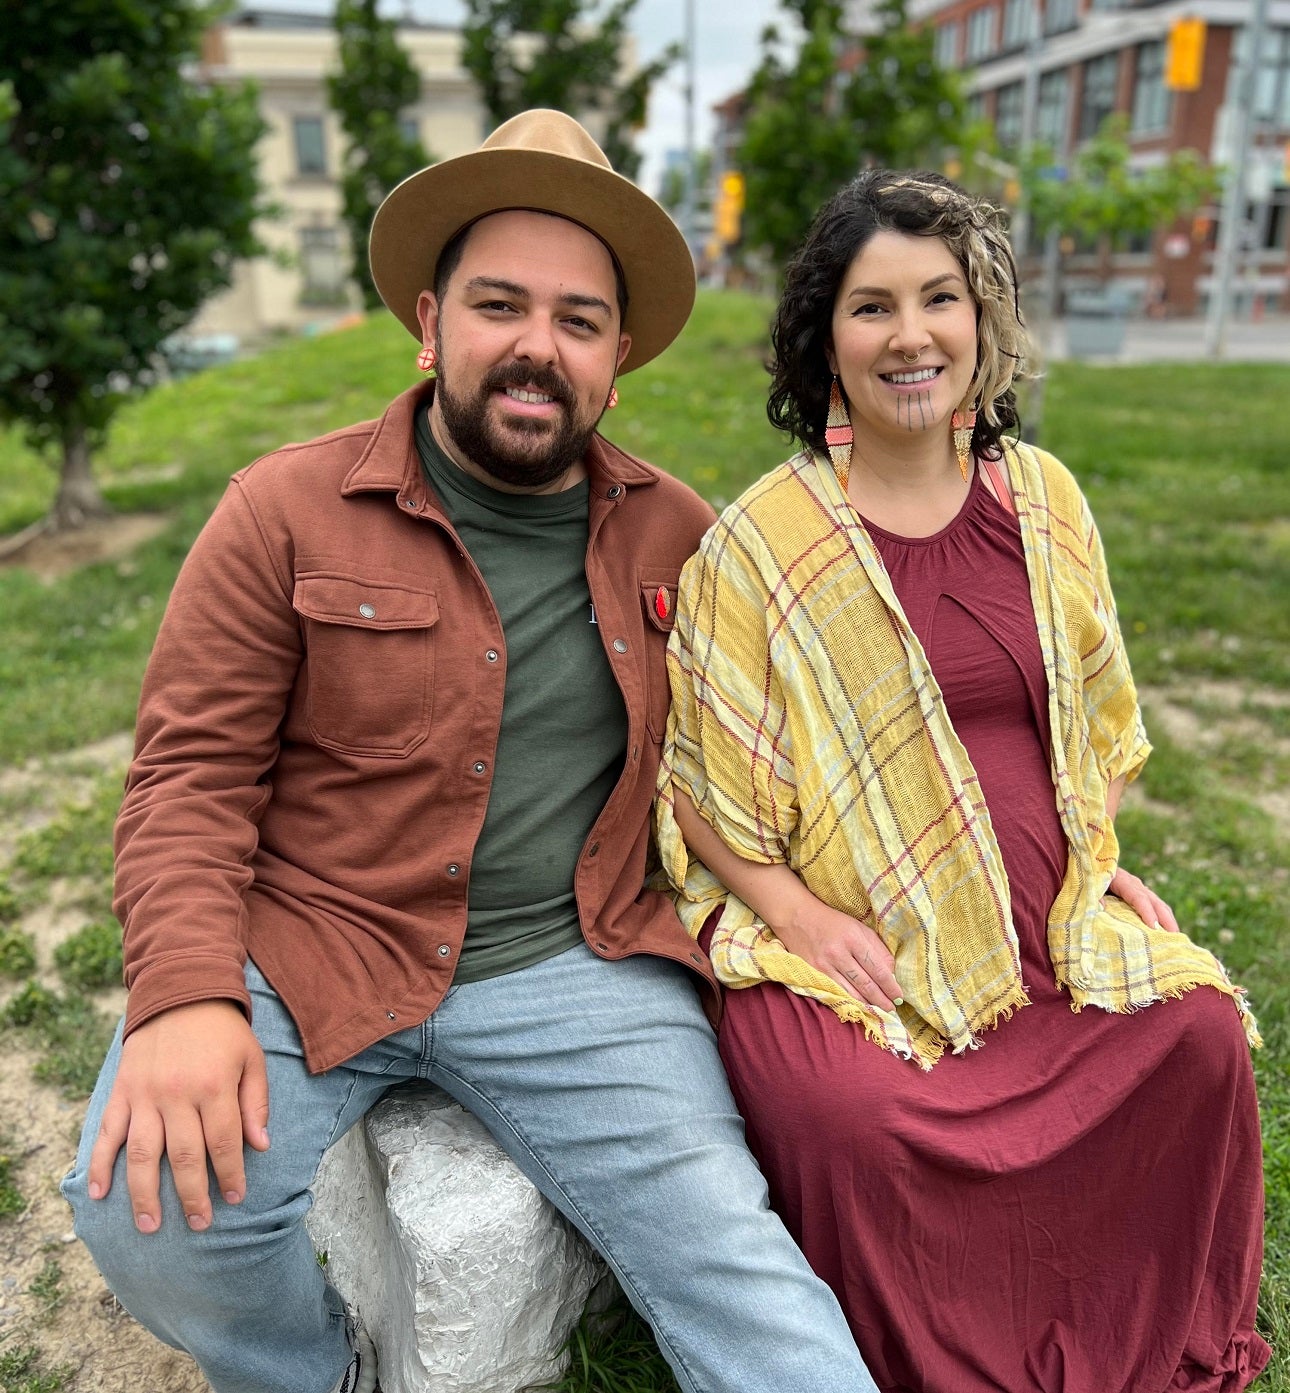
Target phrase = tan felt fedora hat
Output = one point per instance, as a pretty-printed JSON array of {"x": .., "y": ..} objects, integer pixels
[{"x": 544, "y": 161}]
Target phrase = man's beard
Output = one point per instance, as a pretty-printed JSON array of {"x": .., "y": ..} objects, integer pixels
[{"x": 502, "y": 452}]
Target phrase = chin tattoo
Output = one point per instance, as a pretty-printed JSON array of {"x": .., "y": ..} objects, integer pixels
[{"x": 915, "y": 412}]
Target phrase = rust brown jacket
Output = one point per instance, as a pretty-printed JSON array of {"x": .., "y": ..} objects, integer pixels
[{"x": 317, "y": 730}]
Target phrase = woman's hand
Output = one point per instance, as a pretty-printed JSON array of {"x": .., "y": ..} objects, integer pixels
[
  {"x": 1142, "y": 900},
  {"x": 832, "y": 942},
  {"x": 843, "y": 948}
]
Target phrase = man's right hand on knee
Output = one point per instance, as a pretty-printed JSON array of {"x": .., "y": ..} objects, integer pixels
[{"x": 191, "y": 1085}]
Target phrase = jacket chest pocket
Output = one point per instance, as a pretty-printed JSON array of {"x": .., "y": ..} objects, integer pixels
[
  {"x": 658, "y": 601},
  {"x": 369, "y": 663}
]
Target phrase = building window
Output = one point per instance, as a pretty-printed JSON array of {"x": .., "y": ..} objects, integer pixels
[
  {"x": 1100, "y": 77},
  {"x": 311, "y": 153},
  {"x": 1052, "y": 118},
  {"x": 1275, "y": 223},
  {"x": 1152, "y": 100},
  {"x": 980, "y": 34},
  {"x": 974, "y": 107},
  {"x": 947, "y": 45},
  {"x": 1007, "y": 115},
  {"x": 1016, "y": 22},
  {"x": 322, "y": 266},
  {"x": 410, "y": 129},
  {"x": 1272, "y": 81},
  {"x": 1060, "y": 15}
]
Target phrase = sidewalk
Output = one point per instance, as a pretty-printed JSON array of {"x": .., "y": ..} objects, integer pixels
[{"x": 1183, "y": 340}]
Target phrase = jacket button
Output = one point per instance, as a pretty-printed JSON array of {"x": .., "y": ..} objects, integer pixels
[
  {"x": 613, "y": 490},
  {"x": 411, "y": 503},
  {"x": 454, "y": 868},
  {"x": 604, "y": 947},
  {"x": 491, "y": 655},
  {"x": 389, "y": 1015},
  {"x": 367, "y": 611},
  {"x": 443, "y": 950},
  {"x": 696, "y": 957},
  {"x": 620, "y": 645},
  {"x": 593, "y": 848},
  {"x": 479, "y": 766}
]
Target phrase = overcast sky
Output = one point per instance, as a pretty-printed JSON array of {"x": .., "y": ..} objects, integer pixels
[{"x": 727, "y": 48}]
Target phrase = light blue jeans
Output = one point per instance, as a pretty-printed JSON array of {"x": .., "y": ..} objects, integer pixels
[{"x": 602, "y": 1082}]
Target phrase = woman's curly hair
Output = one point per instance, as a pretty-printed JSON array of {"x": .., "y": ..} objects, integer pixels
[{"x": 920, "y": 204}]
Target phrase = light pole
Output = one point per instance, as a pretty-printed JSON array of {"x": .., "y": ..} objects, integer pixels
[
  {"x": 688, "y": 205},
  {"x": 1241, "y": 96}
]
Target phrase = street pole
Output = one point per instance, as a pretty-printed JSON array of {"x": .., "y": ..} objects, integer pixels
[
  {"x": 688, "y": 206},
  {"x": 1232, "y": 218}
]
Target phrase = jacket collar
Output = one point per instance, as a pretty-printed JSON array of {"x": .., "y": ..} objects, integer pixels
[{"x": 389, "y": 461}]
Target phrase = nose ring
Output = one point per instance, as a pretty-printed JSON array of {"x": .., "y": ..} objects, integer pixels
[{"x": 913, "y": 359}]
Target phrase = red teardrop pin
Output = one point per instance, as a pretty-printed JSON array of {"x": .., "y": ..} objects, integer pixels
[{"x": 662, "y": 604}]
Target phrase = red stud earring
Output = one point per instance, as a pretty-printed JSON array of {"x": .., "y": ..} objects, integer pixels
[{"x": 426, "y": 360}]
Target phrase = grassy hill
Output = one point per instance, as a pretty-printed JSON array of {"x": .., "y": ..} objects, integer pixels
[{"x": 1186, "y": 469}]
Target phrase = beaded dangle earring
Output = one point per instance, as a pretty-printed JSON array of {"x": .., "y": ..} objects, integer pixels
[
  {"x": 963, "y": 423},
  {"x": 426, "y": 360},
  {"x": 838, "y": 435}
]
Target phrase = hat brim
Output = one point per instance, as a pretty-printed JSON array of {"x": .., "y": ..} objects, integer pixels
[{"x": 420, "y": 216}]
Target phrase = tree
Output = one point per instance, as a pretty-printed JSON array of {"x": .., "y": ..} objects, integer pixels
[
  {"x": 129, "y": 191},
  {"x": 553, "y": 53},
  {"x": 845, "y": 102},
  {"x": 376, "y": 83},
  {"x": 1102, "y": 198}
]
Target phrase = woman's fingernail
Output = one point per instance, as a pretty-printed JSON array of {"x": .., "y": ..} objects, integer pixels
[
  {"x": 898, "y": 1000},
  {"x": 96, "y": 1190}
]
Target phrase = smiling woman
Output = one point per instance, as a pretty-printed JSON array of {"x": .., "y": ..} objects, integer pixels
[{"x": 903, "y": 720}]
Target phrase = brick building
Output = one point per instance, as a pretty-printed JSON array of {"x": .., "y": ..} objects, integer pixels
[{"x": 1096, "y": 57}]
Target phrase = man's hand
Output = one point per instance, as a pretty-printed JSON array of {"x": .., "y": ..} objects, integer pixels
[{"x": 192, "y": 1084}]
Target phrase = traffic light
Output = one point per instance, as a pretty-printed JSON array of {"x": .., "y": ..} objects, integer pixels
[
  {"x": 730, "y": 204},
  {"x": 1185, "y": 54}
]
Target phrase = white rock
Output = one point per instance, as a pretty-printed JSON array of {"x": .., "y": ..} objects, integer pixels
[{"x": 467, "y": 1278}]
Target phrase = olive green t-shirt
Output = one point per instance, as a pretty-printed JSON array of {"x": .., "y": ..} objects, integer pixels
[{"x": 564, "y": 726}]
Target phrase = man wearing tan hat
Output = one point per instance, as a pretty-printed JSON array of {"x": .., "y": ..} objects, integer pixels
[{"x": 388, "y": 819}]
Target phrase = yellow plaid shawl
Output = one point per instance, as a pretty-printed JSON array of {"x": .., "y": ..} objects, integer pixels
[{"x": 807, "y": 728}]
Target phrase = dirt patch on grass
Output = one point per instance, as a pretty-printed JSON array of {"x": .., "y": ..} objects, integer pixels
[{"x": 51, "y": 555}]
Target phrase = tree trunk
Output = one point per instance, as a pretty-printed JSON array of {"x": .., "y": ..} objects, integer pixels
[{"x": 79, "y": 500}]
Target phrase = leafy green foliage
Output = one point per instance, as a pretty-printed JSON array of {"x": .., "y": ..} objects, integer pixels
[
  {"x": 91, "y": 957},
  {"x": 845, "y": 102},
  {"x": 11, "y": 1198},
  {"x": 73, "y": 1032},
  {"x": 376, "y": 82},
  {"x": 23, "y": 1370},
  {"x": 563, "y": 54},
  {"x": 47, "y": 1287},
  {"x": 1103, "y": 199},
  {"x": 17, "y": 953},
  {"x": 129, "y": 192}
]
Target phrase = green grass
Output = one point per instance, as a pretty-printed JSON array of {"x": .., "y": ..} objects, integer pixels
[
  {"x": 23, "y": 1370},
  {"x": 1185, "y": 467}
]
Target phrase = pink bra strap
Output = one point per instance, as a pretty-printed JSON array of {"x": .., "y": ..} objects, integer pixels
[{"x": 1001, "y": 490}]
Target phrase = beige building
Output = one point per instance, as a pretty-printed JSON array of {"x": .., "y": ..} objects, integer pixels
[{"x": 305, "y": 283}]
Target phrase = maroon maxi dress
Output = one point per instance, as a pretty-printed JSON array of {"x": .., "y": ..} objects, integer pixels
[{"x": 1076, "y": 1207}]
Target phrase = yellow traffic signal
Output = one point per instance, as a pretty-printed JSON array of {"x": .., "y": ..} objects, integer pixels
[
  {"x": 1185, "y": 55},
  {"x": 730, "y": 203},
  {"x": 732, "y": 187}
]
